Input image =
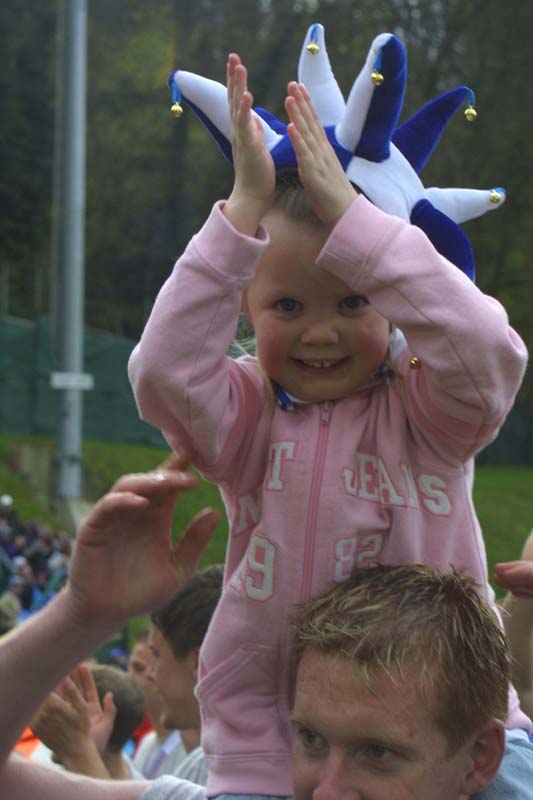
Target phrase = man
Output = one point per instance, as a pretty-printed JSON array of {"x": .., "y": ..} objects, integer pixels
[
  {"x": 159, "y": 750},
  {"x": 128, "y": 532},
  {"x": 177, "y": 633},
  {"x": 138, "y": 663},
  {"x": 402, "y": 679}
]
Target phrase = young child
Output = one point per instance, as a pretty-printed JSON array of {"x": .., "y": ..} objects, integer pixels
[{"x": 365, "y": 457}]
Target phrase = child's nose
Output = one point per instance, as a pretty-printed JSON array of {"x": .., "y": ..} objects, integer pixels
[{"x": 320, "y": 333}]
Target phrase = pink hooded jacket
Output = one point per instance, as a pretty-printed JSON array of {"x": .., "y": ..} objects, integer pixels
[{"x": 383, "y": 475}]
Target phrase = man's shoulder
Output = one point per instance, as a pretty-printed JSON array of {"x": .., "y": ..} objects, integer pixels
[
  {"x": 170, "y": 788},
  {"x": 193, "y": 767}
]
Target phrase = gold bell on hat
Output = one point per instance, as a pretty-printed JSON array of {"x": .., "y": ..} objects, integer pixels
[
  {"x": 312, "y": 48},
  {"x": 176, "y": 109},
  {"x": 376, "y": 77},
  {"x": 495, "y": 196},
  {"x": 414, "y": 362},
  {"x": 470, "y": 113}
]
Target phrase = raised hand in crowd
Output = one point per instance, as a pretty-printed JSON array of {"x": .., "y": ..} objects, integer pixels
[
  {"x": 122, "y": 570},
  {"x": 517, "y": 576},
  {"x": 74, "y": 727}
]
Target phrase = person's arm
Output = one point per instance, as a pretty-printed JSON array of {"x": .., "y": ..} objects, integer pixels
[
  {"x": 21, "y": 779},
  {"x": 517, "y": 578},
  {"x": 123, "y": 565},
  {"x": 182, "y": 380},
  {"x": 518, "y": 623},
  {"x": 470, "y": 362}
]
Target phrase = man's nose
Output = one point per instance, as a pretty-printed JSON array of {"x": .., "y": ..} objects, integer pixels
[
  {"x": 320, "y": 333},
  {"x": 336, "y": 782}
]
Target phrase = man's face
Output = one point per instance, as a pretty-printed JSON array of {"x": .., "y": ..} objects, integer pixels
[
  {"x": 140, "y": 666},
  {"x": 351, "y": 744},
  {"x": 139, "y": 663},
  {"x": 175, "y": 679}
]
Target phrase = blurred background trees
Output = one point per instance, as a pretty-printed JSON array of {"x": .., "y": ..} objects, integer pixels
[{"x": 151, "y": 179}]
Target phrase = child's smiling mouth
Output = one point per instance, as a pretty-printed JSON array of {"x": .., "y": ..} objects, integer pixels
[{"x": 322, "y": 365}]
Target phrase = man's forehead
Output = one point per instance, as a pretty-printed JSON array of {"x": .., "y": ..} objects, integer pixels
[
  {"x": 331, "y": 669},
  {"x": 333, "y": 688},
  {"x": 327, "y": 679},
  {"x": 141, "y": 650}
]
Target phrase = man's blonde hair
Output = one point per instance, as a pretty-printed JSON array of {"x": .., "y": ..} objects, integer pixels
[{"x": 412, "y": 618}]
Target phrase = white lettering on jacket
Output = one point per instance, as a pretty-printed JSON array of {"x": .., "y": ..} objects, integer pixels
[
  {"x": 279, "y": 452},
  {"x": 373, "y": 481},
  {"x": 257, "y": 570},
  {"x": 248, "y": 511},
  {"x": 361, "y": 551},
  {"x": 438, "y": 501}
]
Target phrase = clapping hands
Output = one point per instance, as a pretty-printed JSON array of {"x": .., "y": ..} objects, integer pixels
[{"x": 322, "y": 176}]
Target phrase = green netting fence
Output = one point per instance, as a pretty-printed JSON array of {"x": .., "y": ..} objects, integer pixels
[{"x": 29, "y": 405}]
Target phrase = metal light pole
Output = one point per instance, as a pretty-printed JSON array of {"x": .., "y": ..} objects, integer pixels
[{"x": 70, "y": 318}]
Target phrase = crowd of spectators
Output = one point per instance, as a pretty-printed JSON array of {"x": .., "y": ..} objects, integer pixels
[{"x": 33, "y": 564}]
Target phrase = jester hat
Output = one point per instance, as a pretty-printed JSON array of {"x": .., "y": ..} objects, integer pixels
[{"x": 380, "y": 158}]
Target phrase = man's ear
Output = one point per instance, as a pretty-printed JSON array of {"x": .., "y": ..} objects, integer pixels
[{"x": 486, "y": 752}]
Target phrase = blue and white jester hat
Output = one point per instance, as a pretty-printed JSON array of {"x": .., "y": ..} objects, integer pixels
[{"x": 381, "y": 159}]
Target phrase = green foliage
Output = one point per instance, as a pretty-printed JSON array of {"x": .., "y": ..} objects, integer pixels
[
  {"x": 26, "y": 125},
  {"x": 503, "y": 497}
]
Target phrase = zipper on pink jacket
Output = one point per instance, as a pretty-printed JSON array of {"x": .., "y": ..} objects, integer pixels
[{"x": 326, "y": 409}]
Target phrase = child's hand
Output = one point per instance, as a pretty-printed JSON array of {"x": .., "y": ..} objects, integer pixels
[
  {"x": 254, "y": 168},
  {"x": 324, "y": 180}
]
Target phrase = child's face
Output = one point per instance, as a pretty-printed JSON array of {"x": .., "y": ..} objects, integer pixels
[{"x": 314, "y": 336}]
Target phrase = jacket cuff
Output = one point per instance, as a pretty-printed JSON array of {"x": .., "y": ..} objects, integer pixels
[
  {"x": 226, "y": 250},
  {"x": 362, "y": 231}
]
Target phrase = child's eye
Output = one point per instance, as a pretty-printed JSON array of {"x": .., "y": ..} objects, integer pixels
[
  {"x": 353, "y": 302},
  {"x": 287, "y": 305}
]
